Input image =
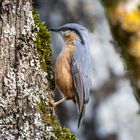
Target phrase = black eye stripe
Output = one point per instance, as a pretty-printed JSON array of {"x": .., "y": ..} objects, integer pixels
[
  {"x": 71, "y": 29},
  {"x": 80, "y": 36},
  {"x": 65, "y": 29}
]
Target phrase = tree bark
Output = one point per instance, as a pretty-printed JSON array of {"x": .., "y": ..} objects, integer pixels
[
  {"x": 125, "y": 24},
  {"x": 24, "y": 108}
]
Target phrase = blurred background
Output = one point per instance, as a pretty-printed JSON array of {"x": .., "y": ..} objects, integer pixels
[{"x": 113, "y": 110}]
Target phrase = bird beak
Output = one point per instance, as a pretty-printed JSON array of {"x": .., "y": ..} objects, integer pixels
[{"x": 53, "y": 30}]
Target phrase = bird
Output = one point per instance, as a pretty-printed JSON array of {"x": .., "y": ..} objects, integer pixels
[{"x": 73, "y": 66}]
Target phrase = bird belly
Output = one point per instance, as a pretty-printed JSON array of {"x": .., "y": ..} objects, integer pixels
[{"x": 63, "y": 76}]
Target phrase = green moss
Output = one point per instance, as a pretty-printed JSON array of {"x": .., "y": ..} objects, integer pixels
[
  {"x": 42, "y": 43},
  {"x": 60, "y": 132}
]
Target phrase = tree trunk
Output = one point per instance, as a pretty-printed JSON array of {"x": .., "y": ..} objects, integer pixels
[
  {"x": 24, "y": 108},
  {"x": 125, "y": 24}
]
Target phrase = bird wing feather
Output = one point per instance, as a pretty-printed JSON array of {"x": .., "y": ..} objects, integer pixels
[{"x": 80, "y": 69}]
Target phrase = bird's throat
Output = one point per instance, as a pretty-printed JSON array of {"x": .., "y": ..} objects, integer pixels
[{"x": 69, "y": 48}]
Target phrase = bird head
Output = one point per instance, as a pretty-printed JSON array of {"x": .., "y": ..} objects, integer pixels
[{"x": 72, "y": 32}]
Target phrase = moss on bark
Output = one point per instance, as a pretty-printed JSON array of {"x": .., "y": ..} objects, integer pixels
[{"x": 42, "y": 44}]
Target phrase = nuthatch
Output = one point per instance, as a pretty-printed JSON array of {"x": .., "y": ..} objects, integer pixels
[{"x": 73, "y": 67}]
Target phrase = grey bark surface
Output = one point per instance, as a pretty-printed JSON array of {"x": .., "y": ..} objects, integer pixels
[{"x": 21, "y": 80}]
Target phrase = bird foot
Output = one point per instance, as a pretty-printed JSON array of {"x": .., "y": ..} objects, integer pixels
[{"x": 52, "y": 103}]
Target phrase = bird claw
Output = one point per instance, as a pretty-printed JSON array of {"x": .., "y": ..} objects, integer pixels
[
  {"x": 52, "y": 103},
  {"x": 53, "y": 107}
]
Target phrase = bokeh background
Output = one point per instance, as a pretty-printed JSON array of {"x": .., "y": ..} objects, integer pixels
[{"x": 113, "y": 111}]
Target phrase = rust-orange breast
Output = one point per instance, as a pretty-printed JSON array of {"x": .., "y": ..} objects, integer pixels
[{"x": 63, "y": 75}]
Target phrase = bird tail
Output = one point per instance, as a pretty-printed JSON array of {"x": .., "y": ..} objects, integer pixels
[
  {"x": 80, "y": 107},
  {"x": 81, "y": 114}
]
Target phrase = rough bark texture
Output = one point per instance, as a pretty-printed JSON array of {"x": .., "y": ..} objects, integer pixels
[
  {"x": 23, "y": 85},
  {"x": 21, "y": 80}
]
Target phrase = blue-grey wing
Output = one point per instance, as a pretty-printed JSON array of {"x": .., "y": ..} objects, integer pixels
[{"x": 80, "y": 69}]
